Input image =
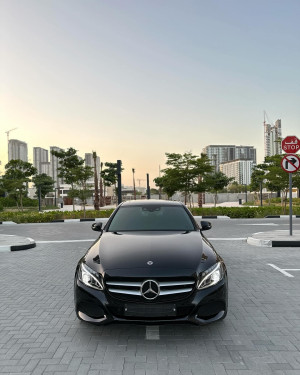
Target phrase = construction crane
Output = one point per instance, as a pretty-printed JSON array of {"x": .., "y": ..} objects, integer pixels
[{"x": 8, "y": 131}]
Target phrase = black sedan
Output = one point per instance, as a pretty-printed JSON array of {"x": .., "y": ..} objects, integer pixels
[{"x": 151, "y": 263}]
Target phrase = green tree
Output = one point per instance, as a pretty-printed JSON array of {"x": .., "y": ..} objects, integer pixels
[
  {"x": 81, "y": 189},
  {"x": 45, "y": 183},
  {"x": 216, "y": 182},
  {"x": 236, "y": 188},
  {"x": 274, "y": 178},
  {"x": 257, "y": 178},
  {"x": 184, "y": 173},
  {"x": 109, "y": 175},
  {"x": 16, "y": 178},
  {"x": 69, "y": 161},
  {"x": 277, "y": 179},
  {"x": 168, "y": 183}
]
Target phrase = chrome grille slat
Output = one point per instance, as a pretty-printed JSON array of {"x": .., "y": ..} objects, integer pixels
[
  {"x": 124, "y": 291},
  {"x": 175, "y": 283},
  {"x": 174, "y": 291},
  {"x": 167, "y": 288},
  {"x": 124, "y": 283}
]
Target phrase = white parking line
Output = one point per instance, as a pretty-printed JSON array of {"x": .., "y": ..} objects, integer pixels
[
  {"x": 152, "y": 333},
  {"x": 283, "y": 270},
  {"x": 229, "y": 239},
  {"x": 271, "y": 224},
  {"x": 64, "y": 241}
]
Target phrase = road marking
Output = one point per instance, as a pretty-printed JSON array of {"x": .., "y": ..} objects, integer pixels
[
  {"x": 65, "y": 241},
  {"x": 283, "y": 271},
  {"x": 270, "y": 224},
  {"x": 292, "y": 269},
  {"x": 228, "y": 239},
  {"x": 152, "y": 333}
]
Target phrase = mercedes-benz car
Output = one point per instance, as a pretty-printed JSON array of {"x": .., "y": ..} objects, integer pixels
[{"x": 151, "y": 263}]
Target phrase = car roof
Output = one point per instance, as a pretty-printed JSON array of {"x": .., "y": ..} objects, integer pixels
[{"x": 151, "y": 202}]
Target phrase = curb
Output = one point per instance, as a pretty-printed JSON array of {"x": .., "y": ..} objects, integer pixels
[
  {"x": 212, "y": 217},
  {"x": 60, "y": 221},
  {"x": 27, "y": 246},
  {"x": 78, "y": 220},
  {"x": 280, "y": 216},
  {"x": 270, "y": 243}
]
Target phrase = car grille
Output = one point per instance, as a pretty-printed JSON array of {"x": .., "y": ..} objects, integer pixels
[{"x": 132, "y": 290}]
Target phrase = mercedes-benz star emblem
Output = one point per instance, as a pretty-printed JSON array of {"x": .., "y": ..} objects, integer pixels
[
  {"x": 150, "y": 263},
  {"x": 150, "y": 289}
]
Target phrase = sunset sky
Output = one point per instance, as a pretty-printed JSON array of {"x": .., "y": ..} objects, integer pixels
[{"x": 132, "y": 80}]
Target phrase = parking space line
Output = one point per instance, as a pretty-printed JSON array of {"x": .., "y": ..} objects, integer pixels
[
  {"x": 152, "y": 333},
  {"x": 228, "y": 239},
  {"x": 292, "y": 269},
  {"x": 283, "y": 271},
  {"x": 65, "y": 241}
]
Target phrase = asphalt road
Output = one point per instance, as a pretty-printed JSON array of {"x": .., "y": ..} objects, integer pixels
[{"x": 40, "y": 334}]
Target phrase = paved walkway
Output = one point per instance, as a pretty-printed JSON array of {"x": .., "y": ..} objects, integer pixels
[{"x": 275, "y": 238}]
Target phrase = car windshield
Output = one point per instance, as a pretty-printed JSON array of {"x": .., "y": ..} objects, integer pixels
[{"x": 151, "y": 218}]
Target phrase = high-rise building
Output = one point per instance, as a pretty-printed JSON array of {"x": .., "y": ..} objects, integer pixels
[
  {"x": 40, "y": 160},
  {"x": 272, "y": 138},
  {"x": 223, "y": 153},
  {"x": 240, "y": 170},
  {"x": 17, "y": 150}
]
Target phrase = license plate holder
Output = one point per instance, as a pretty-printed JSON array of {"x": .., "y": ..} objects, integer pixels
[{"x": 150, "y": 311}]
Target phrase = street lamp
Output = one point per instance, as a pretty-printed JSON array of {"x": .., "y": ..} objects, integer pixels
[{"x": 134, "y": 192}]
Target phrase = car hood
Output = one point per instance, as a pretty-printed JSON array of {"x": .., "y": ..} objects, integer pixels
[{"x": 134, "y": 250}]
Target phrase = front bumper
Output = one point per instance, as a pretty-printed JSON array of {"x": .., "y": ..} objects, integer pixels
[{"x": 201, "y": 307}]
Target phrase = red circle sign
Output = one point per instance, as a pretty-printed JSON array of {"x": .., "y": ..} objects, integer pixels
[
  {"x": 290, "y": 144},
  {"x": 290, "y": 163}
]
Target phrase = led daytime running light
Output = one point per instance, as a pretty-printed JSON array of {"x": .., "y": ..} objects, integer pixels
[
  {"x": 89, "y": 278},
  {"x": 214, "y": 275}
]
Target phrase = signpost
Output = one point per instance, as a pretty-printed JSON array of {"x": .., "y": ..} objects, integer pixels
[{"x": 290, "y": 163}]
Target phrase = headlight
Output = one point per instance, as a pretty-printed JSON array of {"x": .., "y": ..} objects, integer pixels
[
  {"x": 211, "y": 276},
  {"x": 89, "y": 277}
]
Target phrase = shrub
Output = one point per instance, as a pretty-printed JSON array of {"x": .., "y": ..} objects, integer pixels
[
  {"x": 9, "y": 202},
  {"x": 241, "y": 212},
  {"x": 48, "y": 217}
]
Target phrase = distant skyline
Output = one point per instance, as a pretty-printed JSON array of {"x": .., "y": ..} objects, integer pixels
[{"x": 132, "y": 80}]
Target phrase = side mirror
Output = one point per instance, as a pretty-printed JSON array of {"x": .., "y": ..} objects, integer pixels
[
  {"x": 97, "y": 227},
  {"x": 205, "y": 225}
]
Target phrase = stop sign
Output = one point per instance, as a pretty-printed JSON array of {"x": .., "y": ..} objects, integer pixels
[{"x": 290, "y": 144}]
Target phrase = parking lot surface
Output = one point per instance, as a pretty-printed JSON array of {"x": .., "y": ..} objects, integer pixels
[{"x": 40, "y": 334}]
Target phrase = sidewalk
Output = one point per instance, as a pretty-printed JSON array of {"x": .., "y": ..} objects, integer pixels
[
  {"x": 9, "y": 242},
  {"x": 275, "y": 238}
]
